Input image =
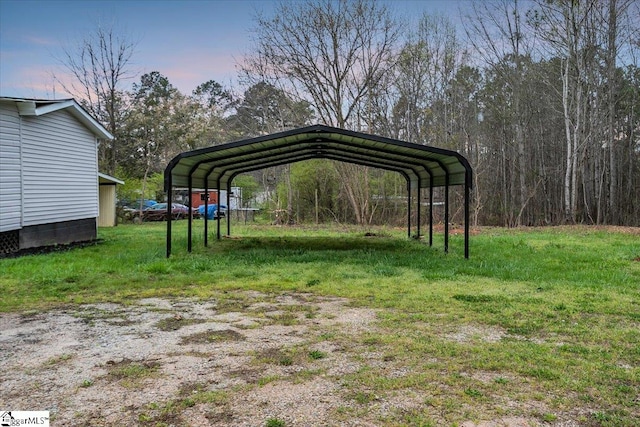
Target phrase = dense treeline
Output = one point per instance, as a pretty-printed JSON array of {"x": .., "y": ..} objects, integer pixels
[{"x": 542, "y": 98}]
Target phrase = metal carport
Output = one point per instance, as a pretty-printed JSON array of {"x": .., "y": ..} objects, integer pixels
[{"x": 422, "y": 166}]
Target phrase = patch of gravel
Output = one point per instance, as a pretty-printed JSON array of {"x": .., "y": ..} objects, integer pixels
[
  {"x": 223, "y": 362},
  {"x": 63, "y": 361},
  {"x": 503, "y": 422},
  {"x": 469, "y": 333}
]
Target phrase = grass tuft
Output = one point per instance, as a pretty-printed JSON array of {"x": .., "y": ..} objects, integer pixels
[
  {"x": 275, "y": 422},
  {"x": 208, "y": 337},
  {"x": 316, "y": 354}
]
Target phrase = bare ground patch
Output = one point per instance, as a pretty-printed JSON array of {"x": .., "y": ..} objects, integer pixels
[{"x": 240, "y": 360}]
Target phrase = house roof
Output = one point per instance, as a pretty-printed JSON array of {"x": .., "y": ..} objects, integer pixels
[
  {"x": 39, "y": 107},
  {"x": 217, "y": 165}
]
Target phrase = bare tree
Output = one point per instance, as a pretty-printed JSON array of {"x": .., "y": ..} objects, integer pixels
[
  {"x": 497, "y": 32},
  {"x": 333, "y": 54},
  {"x": 425, "y": 68},
  {"x": 616, "y": 26},
  {"x": 588, "y": 37},
  {"x": 99, "y": 65}
]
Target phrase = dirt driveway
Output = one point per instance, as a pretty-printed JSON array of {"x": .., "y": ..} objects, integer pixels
[{"x": 245, "y": 359}]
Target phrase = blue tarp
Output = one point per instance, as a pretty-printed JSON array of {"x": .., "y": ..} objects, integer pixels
[{"x": 212, "y": 210}]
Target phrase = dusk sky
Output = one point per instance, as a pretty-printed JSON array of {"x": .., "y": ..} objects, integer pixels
[{"x": 188, "y": 41}]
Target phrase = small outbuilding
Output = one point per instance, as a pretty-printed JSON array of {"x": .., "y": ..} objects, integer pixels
[
  {"x": 49, "y": 188},
  {"x": 107, "y": 200}
]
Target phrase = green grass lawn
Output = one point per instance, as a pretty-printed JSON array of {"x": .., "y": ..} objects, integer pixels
[{"x": 550, "y": 315}]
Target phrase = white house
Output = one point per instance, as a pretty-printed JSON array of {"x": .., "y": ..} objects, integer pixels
[{"x": 48, "y": 173}]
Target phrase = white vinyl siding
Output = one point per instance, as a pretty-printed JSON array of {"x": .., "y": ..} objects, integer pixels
[
  {"x": 59, "y": 169},
  {"x": 10, "y": 186}
]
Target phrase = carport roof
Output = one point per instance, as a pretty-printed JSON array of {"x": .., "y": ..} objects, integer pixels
[{"x": 216, "y": 166}]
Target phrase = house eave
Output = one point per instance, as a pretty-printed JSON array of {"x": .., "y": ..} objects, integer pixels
[{"x": 39, "y": 107}]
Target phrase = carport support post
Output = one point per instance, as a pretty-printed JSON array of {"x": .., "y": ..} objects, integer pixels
[
  {"x": 206, "y": 211},
  {"x": 446, "y": 214},
  {"x": 431, "y": 212},
  {"x": 228, "y": 215},
  {"x": 218, "y": 221},
  {"x": 418, "y": 211},
  {"x": 408, "y": 208},
  {"x": 466, "y": 219},
  {"x": 190, "y": 215},
  {"x": 168, "y": 185}
]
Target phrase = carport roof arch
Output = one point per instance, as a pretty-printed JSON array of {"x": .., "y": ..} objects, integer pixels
[{"x": 212, "y": 166}]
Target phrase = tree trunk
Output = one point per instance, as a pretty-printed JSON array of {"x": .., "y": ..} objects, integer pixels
[
  {"x": 522, "y": 167},
  {"x": 290, "y": 220},
  {"x": 568, "y": 211},
  {"x": 611, "y": 77}
]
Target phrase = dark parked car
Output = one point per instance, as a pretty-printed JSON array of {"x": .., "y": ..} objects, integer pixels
[
  {"x": 135, "y": 204},
  {"x": 158, "y": 212}
]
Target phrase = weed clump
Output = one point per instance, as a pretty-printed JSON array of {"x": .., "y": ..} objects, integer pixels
[
  {"x": 209, "y": 337},
  {"x": 175, "y": 322}
]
